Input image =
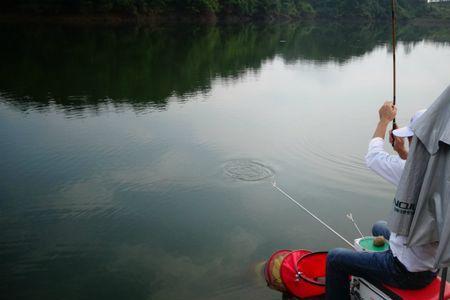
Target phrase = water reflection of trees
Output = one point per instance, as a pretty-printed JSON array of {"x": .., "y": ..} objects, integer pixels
[{"x": 86, "y": 67}]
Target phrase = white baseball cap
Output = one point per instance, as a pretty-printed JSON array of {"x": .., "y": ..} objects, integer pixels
[{"x": 407, "y": 130}]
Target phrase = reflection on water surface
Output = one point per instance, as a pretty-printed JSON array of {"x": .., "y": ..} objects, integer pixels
[{"x": 81, "y": 68}]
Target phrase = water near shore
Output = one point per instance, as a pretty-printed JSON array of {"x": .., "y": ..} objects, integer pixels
[{"x": 136, "y": 163}]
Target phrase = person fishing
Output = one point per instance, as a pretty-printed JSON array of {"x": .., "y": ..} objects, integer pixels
[
  {"x": 388, "y": 166},
  {"x": 400, "y": 266}
]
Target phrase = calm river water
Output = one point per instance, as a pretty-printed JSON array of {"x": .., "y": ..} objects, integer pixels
[{"x": 115, "y": 150}]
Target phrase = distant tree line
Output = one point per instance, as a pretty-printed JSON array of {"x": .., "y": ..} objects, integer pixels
[
  {"x": 262, "y": 9},
  {"x": 76, "y": 68}
]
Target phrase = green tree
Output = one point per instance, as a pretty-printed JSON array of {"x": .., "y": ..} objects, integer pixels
[{"x": 359, "y": 9}]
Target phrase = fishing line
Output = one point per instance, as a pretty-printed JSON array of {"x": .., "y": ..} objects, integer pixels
[{"x": 311, "y": 214}]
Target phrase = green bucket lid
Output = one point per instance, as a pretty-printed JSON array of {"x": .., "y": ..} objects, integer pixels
[{"x": 367, "y": 244}]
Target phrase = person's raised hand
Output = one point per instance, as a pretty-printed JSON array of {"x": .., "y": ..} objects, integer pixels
[{"x": 387, "y": 112}]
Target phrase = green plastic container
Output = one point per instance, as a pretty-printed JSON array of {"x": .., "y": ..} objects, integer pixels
[{"x": 366, "y": 244}]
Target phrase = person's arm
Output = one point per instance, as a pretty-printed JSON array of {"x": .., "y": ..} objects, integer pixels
[
  {"x": 399, "y": 146},
  {"x": 387, "y": 113},
  {"x": 390, "y": 167}
]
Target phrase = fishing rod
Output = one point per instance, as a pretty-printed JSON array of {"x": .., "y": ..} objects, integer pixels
[
  {"x": 394, "y": 66},
  {"x": 311, "y": 214}
]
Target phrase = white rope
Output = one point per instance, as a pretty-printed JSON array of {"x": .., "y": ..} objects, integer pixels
[{"x": 312, "y": 215}]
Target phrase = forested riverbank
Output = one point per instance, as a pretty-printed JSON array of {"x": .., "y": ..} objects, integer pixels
[
  {"x": 117, "y": 65},
  {"x": 213, "y": 10}
]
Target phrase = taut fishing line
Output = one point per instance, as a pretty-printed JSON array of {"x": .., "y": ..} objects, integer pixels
[
  {"x": 274, "y": 184},
  {"x": 250, "y": 170}
]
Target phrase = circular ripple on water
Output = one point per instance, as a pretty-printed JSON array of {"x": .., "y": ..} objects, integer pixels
[{"x": 246, "y": 170}]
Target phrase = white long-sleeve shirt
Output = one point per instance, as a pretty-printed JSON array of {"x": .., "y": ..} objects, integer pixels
[{"x": 390, "y": 167}]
